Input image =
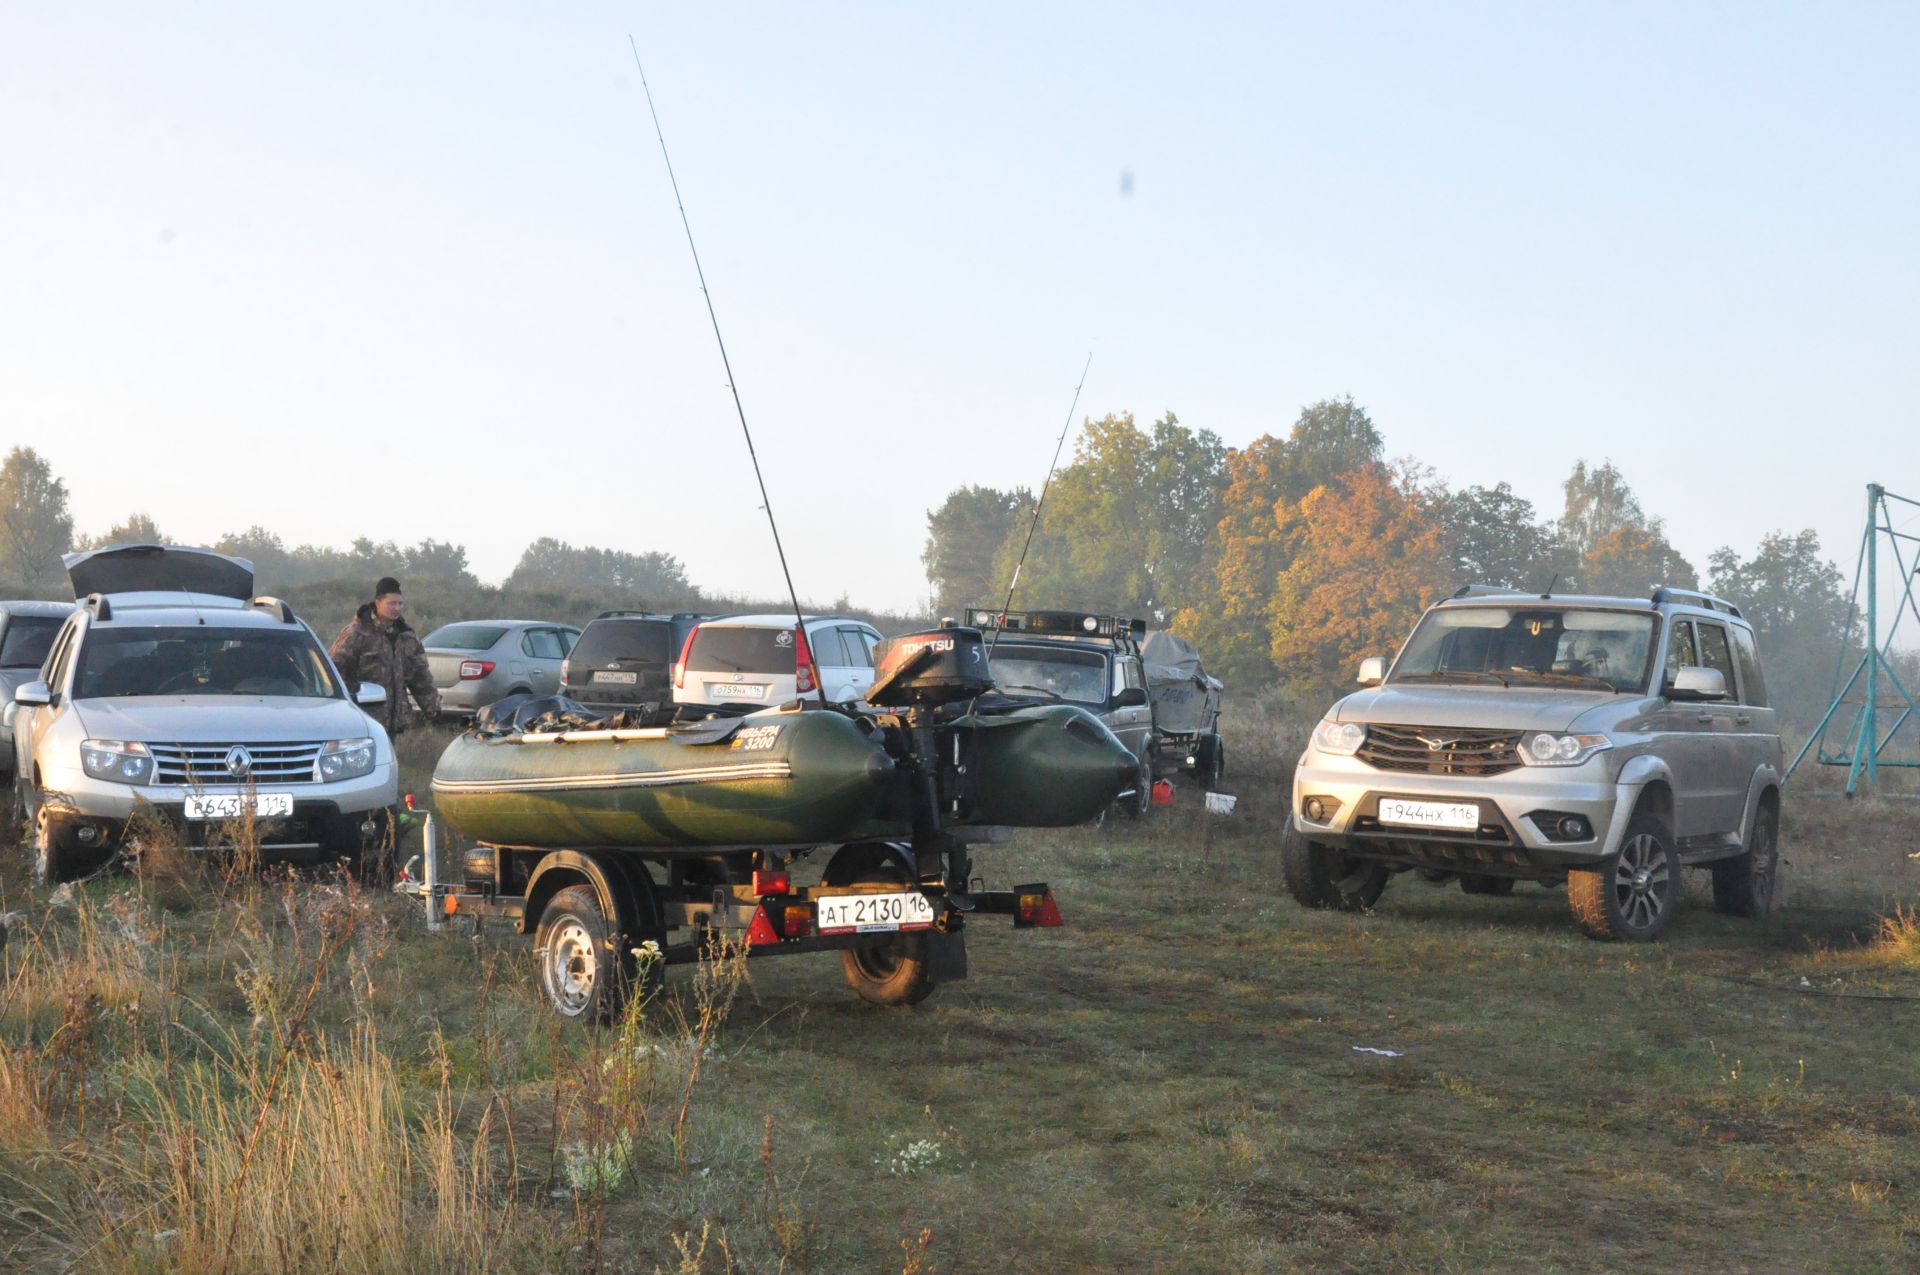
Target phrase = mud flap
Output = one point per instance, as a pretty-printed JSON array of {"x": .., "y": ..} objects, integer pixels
[{"x": 946, "y": 956}]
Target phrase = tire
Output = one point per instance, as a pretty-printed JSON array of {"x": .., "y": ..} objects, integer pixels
[
  {"x": 1141, "y": 803},
  {"x": 1745, "y": 886},
  {"x": 56, "y": 862},
  {"x": 891, "y": 972},
  {"x": 1633, "y": 896},
  {"x": 584, "y": 974},
  {"x": 1318, "y": 876},
  {"x": 1478, "y": 884}
]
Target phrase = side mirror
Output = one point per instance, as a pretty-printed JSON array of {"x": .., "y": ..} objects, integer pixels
[
  {"x": 1693, "y": 683},
  {"x": 32, "y": 693},
  {"x": 1131, "y": 697},
  {"x": 1373, "y": 671},
  {"x": 369, "y": 695}
]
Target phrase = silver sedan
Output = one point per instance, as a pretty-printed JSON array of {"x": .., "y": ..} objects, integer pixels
[{"x": 476, "y": 662}]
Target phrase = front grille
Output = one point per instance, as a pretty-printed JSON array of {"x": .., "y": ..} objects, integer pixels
[
  {"x": 1441, "y": 750},
  {"x": 205, "y": 765}
]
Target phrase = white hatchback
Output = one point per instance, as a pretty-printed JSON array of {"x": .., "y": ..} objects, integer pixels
[{"x": 753, "y": 661}]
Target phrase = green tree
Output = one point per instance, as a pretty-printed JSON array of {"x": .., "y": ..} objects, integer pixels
[
  {"x": 963, "y": 537},
  {"x": 138, "y": 529},
  {"x": 1332, "y": 437},
  {"x": 1799, "y": 609},
  {"x": 35, "y": 525},
  {"x": 1493, "y": 537},
  {"x": 654, "y": 579},
  {"x": 1128, "y": 525},
  {"x": 1606, "y": 543}
]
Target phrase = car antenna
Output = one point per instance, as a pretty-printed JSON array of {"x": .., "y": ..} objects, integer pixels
[
  {"x": 799, "y": 620},
  {"x": 1039, "y": 504},
  {"x": 1546, "y": 595}
]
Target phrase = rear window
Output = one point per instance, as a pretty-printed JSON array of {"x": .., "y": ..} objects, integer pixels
[
  {"x": 464, "y": 637},
  {"x": 28, "y": 639},
  {"x": 735, "y": 650},
  {"x": 606, "y": 642},
  {"x": 201, "y": 661}
]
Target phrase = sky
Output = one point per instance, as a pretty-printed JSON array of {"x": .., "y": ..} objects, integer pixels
[{"x": 416, "y": 271}]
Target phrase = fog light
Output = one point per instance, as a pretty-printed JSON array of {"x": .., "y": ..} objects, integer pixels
[
  {"x": 1316, "y": 810},
  {"x": 89, "y": 835},
  {"x": 1574, "y": 828}
]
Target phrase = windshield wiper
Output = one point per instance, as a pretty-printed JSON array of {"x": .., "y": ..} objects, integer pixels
[
  {"x": 1567, "y": 679},
  {"x": 1038, "y": 690},
  {"x": 1453, "y": 675}
]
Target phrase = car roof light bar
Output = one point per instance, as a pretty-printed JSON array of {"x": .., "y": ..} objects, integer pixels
[{"x": 1065, "y": 623}]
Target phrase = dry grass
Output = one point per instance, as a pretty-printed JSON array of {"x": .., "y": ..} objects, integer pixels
[{"x": 204, "y": 1071}]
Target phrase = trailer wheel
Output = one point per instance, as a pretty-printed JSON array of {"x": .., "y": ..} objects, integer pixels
[
  {"x": 583, "y": 974},
  {"x": 890, "y": 972}
]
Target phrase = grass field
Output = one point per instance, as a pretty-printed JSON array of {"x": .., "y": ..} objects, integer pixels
[{"x": 203, "y": 1072}]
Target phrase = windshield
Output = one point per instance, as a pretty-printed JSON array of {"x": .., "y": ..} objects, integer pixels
[
  {"x": 464, "y": 637},
  {"x": 1530, "y": 646},
  {"x": 202, "y": 661},
  {"x": 1066, "y": 673},
  {"x": 28, "y": 639}
]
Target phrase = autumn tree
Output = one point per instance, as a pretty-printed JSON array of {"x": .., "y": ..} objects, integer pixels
[
  {"x": 658, "y": 579},
  {"x": 1128, "y": 524},
  {"x": 1365, "y": 555},
  {"x": 1794, "y": 598},
  {"x": 138, "y": 529},
  {"x": 1606, "y": 543},
  {"x": 35, "y": 526},
  {"x": 964, "y": 535}
]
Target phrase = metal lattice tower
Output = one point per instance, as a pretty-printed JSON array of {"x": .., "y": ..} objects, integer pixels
[{"x": 1857, "y": 740}]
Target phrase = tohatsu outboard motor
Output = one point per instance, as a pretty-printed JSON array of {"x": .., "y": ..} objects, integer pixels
[{"x": 927, "y": 669}]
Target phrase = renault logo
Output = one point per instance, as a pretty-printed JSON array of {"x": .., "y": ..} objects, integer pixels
[{"x": 239, "y": 762}]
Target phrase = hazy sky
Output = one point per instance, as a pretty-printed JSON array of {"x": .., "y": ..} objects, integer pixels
[{"x": 415, "y": 270}]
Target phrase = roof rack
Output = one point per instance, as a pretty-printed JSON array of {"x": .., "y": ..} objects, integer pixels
[
  {"x": 1485, "y": 591},
  {"x": 1693, "y": 597},
  {"x": 96, "y": 604},
  {"x": 1056, "y": 623},
  {"x": 266, "y": 602}
]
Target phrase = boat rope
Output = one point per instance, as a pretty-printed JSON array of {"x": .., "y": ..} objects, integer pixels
[{"x": 622, "y": 779}]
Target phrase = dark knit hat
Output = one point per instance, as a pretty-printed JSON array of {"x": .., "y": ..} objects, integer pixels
[{"x": 387, "y": 585}]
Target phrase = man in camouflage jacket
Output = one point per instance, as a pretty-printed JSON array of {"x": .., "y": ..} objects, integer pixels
[{"x": 377, "y": 646}]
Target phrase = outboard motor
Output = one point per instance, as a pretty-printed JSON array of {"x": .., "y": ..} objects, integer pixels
[{"x": 927, "y": 669}]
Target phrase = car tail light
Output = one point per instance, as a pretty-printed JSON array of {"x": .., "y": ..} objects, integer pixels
[
  {"x": 804, "y": 679},
  {"x": 797, "y": 922},
  {"x": 680, "y": 665},
  {"x": 765, "y": 883},
  {"x": 1034, "y": 906},
  {"x": 565, "y": 666},
  {"x": 472, "y": 670}
]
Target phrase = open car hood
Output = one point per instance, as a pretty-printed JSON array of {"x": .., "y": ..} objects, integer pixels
[{"x": 156, "y": 568}]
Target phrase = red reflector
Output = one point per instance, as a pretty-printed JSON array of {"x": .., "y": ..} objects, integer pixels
[
  {"x": 1162, "y": 793},
  {"x": 760, "y": 931},
  {"x": 797, "y": 923},
  {"x": 1037, "y": 909},
  {"x": 765, "y": 883}
]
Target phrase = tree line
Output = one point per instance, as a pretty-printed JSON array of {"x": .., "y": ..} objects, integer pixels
[
  {"x": 553, "y": 579},
  {"x": 1291, "y": 559}
]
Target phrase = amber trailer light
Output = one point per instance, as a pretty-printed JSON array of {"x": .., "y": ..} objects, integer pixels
[{"x": 1033, "y": 906}]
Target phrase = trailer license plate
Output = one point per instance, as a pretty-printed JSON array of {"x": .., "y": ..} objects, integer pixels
[
  {"x": 874, "y": 913},
  {"x": 1429, "y": 814},
  {"x": 231, "y": 805},
  {"x": 621, "y": 679},
  {"x": 737, "y": 690}
]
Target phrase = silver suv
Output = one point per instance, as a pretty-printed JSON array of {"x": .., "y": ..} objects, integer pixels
[
  {"x": 172, "y": 691},
  {"x": 1608, "y": 742}
]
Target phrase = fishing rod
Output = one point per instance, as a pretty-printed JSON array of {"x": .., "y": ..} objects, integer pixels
[
  {"x": 799, "y": 619},
  {"x": 1040, "y": 504}
]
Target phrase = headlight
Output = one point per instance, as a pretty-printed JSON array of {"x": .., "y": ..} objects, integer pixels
[
  {"x": 1543, "y": 748},
  {"x": 120, "y": 763},
  {"x": 1341, "y": 739},
  {"x": 344, "y": 759}
]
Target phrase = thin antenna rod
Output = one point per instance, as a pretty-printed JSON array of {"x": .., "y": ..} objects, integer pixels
[
  {"x": 1040, "y": 504},
  {"x": 799, "y": 619}
]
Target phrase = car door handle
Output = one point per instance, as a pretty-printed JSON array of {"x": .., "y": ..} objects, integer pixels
[
  {"x": 1744, "y": 719},
  {"x": 1705, "y": 719}
]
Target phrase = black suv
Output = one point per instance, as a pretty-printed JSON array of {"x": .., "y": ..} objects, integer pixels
[
  {"x": 1090, "y": 660},
  {"x": 624, "y": 659}
]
